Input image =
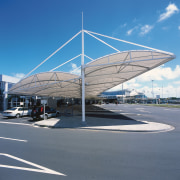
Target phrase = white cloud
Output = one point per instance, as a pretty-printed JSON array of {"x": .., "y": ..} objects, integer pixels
[
  {"x": 170, "y": 74},
  {"x": 155, "y": 74},
  {"x": 160, "y": 73},
  {"x": 129, "y": 32},
  {"x": 124, "y": 25},
  {"x": 146, "y": 29},
  {"x": 75, "y": 69},
  {"x": 170, "y": 10},
  {"x": 118, "y": 30},
  {"x": 165, "y": 28},
  {"x": 176, "y": 82},
  {"x": 19, "y": 75}
]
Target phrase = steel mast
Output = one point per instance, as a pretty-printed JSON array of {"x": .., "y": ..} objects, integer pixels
[{"x": 82, "y": 76}]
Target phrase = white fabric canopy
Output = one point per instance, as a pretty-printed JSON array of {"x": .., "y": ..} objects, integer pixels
[
  {"x": 100, "y": 75},
  {"x": 52, "y": 84}
]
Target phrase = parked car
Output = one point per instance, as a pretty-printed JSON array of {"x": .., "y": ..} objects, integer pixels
[
  {"x": 38, "y": 112},
  {"x": 17, "y": 112}
]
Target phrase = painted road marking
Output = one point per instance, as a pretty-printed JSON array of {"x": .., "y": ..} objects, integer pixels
[
  {"x": 144, "y": 111},
  {"x": 3, "y": 122},
  {"x": 12, "y": 139},
  {"x": 40, "y": 169},
  {"x": 128, "y": 113},
  {"x": 114, "y": 110}
]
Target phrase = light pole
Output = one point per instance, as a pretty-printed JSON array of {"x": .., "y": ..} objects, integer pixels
[
  {"x": 152, "y": 89},
  {"x": 122, "y": 94},
  {"x": 143, "y": 96}
]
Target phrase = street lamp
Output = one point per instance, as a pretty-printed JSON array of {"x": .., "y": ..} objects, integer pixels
[{"x": 152, "y": 89}]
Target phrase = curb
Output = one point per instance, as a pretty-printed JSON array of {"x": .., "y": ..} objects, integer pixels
[
  {"x": 133, "y": 131},
  {"x": 147, "y": 127}
]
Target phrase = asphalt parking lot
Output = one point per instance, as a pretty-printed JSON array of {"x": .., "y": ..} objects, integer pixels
[{"x": 29, "y": 152}]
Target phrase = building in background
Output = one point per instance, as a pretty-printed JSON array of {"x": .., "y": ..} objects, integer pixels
[
  {"x": 6, "y": 83},
  {"x": 114, "y": 96},
  {"x": 8, "y": 100},
  {"x": 124, "y": 96}
]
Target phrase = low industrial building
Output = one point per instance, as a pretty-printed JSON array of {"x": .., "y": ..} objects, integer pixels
[{"x": 6, "y": 82}]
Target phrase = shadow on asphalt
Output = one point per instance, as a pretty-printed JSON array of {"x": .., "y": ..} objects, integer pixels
[{"x": 97, "y": 116}]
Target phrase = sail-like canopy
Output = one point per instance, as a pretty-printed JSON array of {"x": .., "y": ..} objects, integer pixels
[
  {"x": 100, "y": 75},
  {"x": 53, "y": 84}
]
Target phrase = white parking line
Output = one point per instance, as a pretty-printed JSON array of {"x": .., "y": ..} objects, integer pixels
[
  {"x": 13, "y": 139},
  {"x": 3, "y": 122},
  {"x": 144, "y": 111},
  {"x": 40, "y": 169}
]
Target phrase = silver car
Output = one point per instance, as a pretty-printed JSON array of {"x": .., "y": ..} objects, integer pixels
[{"x": 17, "y": 112}]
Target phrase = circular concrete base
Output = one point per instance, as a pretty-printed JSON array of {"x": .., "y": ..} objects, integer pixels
[
  {"x": 145, "y": 127},
  {"x": 105, "y": 124}
]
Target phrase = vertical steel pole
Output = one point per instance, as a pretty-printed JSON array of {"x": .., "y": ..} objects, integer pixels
[
  {"x": 44, "y": 110},
  {"x": 152, "y": 90},
  {"x": 122, "y": 94},
  {"x": 5, "y": 96},
  {"x": 82, "y": 76}
]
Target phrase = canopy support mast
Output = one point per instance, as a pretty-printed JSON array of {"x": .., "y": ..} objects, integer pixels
[{"x": 82, "y": 76}]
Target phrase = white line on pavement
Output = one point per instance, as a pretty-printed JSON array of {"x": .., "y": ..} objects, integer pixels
[
  {"x": 40, "y": 169},
  {"x": 13, "y": 139},
  {"x": 3, "y": 122}
]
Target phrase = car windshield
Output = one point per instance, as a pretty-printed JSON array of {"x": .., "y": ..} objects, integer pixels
[{"x": 13, "y": 109}]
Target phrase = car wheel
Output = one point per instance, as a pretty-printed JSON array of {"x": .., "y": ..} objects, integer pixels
[{"x": 17, "y": 115}]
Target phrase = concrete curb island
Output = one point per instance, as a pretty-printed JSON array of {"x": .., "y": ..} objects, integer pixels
[{"x": 94, "y": 123}]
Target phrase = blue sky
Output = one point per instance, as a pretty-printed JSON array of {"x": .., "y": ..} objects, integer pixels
[{"x": 30, "y": 30}]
